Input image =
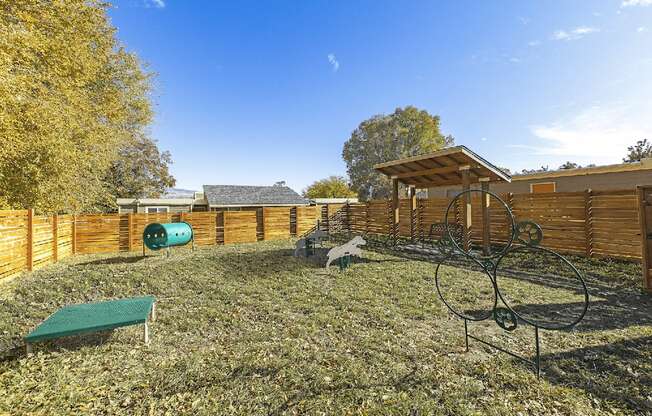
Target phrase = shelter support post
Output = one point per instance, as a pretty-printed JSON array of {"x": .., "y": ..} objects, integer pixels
[
  {"x": 486, "y": 218},
  {"x": 395, "y": 207},
  {"x": 466, "y": 206},
  {"x": 412, "y": 201}
]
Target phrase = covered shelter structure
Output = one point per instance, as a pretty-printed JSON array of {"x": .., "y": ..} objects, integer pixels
[{"x": 456, "y": 165}]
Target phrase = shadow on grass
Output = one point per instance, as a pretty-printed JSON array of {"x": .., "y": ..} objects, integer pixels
[
  {"x": 69, "y": 343},
  {"x": 602, "y": 315},
  {"x": 112, "y": 260},
  {"x": 268, "y": 263},
  {"x": 612, "y": 304},
  {"x": 620, "y": 372},
  {"x": 609, "y": 308}
]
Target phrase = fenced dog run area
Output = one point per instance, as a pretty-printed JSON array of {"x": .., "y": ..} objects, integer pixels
[
  {"x": 592, "y": 224},
  {"x": 246, "y": 326}
]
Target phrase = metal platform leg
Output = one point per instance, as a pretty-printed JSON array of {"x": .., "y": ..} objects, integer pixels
[
  {"x": 146, "y": 334},
  {"x": 28, "y": 348},
  {"x": 537, "y": 359},
  {"x": 466, "y": 335},
  {"x": 152, "y": 316}
]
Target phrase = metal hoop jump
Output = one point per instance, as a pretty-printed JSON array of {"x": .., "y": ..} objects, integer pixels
[{"x": 524, "y": 237}]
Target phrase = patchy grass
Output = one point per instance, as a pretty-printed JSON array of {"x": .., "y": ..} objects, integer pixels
[{"x": 251, "y": 330}]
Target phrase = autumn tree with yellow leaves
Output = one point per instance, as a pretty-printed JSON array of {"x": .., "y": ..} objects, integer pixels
[{"x": 72, "y": 102}]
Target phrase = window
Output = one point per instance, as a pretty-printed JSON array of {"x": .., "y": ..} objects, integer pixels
[
  {"x": 542, "y": 187},
  {"x": 154, "y": 210}
]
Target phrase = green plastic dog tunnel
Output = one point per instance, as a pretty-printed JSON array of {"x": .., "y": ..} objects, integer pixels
[{"x": 157, "y": 236}]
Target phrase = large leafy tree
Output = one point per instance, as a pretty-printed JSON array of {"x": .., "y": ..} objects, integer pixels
[
  {"x": 141, "y": 170},
  {"x": 331, "y": 187},
  {"x": 71, "y": 98},
  {"x": 641, "y": 150},
  {"x": 406, "y": 132}
]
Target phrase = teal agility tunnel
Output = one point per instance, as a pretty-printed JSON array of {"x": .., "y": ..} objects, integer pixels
[{"x": 157, "y": 236}]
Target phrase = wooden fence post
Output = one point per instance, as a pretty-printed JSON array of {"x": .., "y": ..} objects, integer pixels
[
  {"x": 509, "y": 200},
  {"x": 130, "y": 230},
  {"x": 588, "y": 221},
  {"x": 293, "y": 225},
  {"x": 642, "y": 203},
  {"x": 366, "y": 218},
  {"x": 30, "y": 239},
  {"x": 74, "y": 234},
  {"x": 55, "y": 238}
]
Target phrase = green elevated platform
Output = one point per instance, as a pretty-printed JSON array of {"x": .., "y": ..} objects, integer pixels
[{"x": 94, "y": 317}]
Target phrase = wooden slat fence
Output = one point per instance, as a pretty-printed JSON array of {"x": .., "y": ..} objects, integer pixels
[
  {"x": 306, "y": 218},
  {"x": 378, "y": 217},
  {"x": 614, "y": 224},
  {"x": 204, "y": 227},
  {"x": 97, "y": 233},
  {"x": 43, "y": 241},
  {"x": 276, "y": 223},
  {"x": 13, "y": 242},
  {"x": 587, "y": 223},
  {"x": 240, "y": 227},
  {"x": 602, "y": 223},
  {"x": 64, "y": 236},
  {"x": 560, "y": 215}
]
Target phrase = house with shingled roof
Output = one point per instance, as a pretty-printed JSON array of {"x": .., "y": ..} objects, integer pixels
[
  {"x": 237, "y": 197},
  {"x": 217, "y": 198}
]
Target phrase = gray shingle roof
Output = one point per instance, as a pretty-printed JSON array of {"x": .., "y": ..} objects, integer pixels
[{"x": 243, "y": 195}]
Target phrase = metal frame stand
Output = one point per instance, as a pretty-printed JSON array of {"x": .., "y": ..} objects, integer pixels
[
  {"x": 536, "y": 362},
  {"x": 525, "y": 237},
  {"x": 344, "y": 262}
]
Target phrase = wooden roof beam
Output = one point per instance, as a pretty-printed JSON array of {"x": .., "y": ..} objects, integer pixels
[{"x": 427, "y": 172}]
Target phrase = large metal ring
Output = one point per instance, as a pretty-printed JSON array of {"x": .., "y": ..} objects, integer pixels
[
  {"x": 534, "y": 322},
  {"x": 489, "y": 313}
]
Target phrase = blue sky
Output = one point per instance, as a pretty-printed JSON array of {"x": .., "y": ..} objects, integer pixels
[{"x": 255, "y": 92}]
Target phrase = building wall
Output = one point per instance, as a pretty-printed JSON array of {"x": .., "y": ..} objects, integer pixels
[
  {"x": 141, "y": 209},
  {"x": 596, "y": 181}
]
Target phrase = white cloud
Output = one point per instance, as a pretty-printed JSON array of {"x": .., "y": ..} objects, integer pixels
[
  {"x": 524, "y": 20},
  {"x": 333, "y": 61},
  {"x": 629, "y": 3},
  {"x": 595, "y": 135},
  {"x": 484, "y": 139},
  {"x": 534, "y": 43},
  {"x": 641, "y": 29},
  {"x": 577, "y": 33},
  {"x": 156, "y": 3},
  {"x": 514, "y": 60}
]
